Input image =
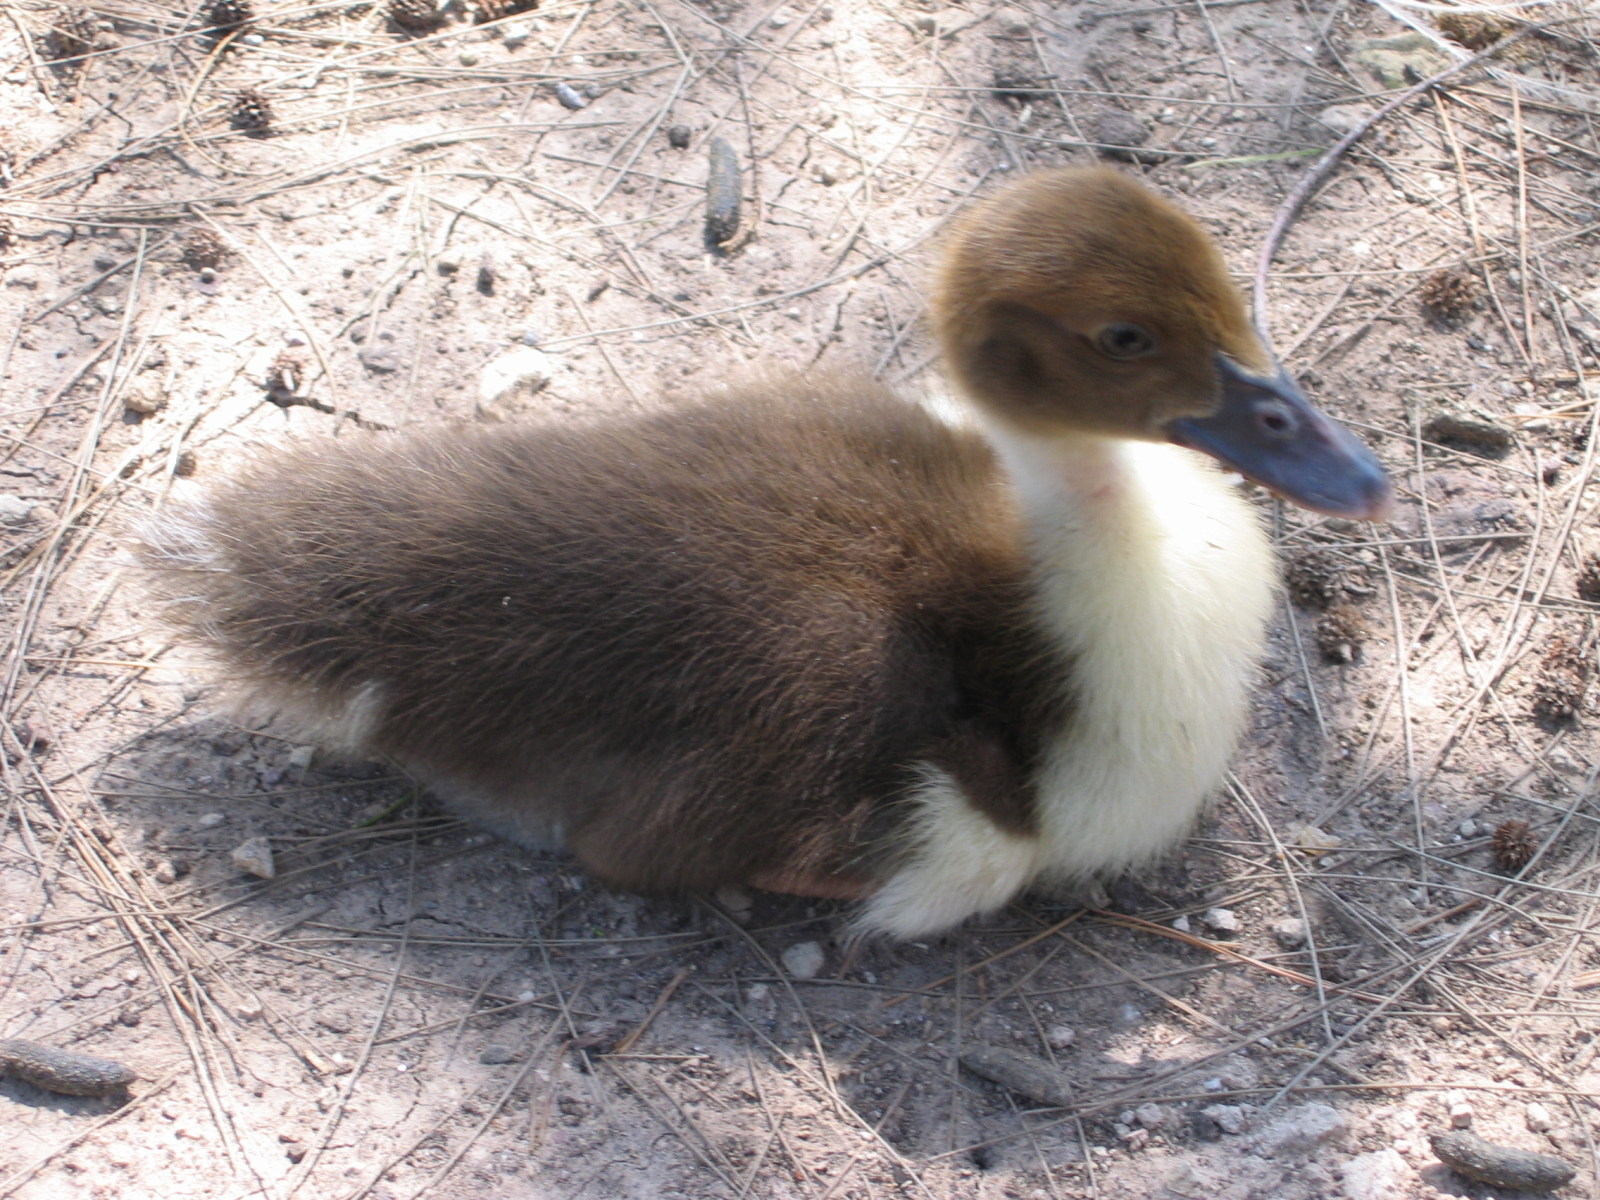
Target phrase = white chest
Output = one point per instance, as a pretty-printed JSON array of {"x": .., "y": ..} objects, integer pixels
[{"x": 1156, "y": 577}]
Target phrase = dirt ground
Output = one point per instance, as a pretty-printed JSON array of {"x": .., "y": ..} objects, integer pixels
[{"x": 339, "y": 215}]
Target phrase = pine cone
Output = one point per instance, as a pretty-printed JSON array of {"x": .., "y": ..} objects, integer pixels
[
  {"x": 252, "y": 113},
  {"x": 416, "y": 16},
  {"x": 484, "y": 11},
  {"x": 1448, "y": 295},
  {"x": 226, "y": 15},
  {"x": 1514, "y": 846},
  {"x": 203, "y": 250}
]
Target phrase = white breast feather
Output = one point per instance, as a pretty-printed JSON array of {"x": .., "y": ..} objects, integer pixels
[{"x": 1155, "y": 577}]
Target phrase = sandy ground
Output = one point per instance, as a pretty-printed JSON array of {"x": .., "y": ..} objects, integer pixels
[{"x": 323, "y": 220}]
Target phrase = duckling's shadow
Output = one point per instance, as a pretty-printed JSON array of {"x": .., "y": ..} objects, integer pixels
[
  {"x": 500, "y": 949},
  {"x": 27, "y": 1095}
]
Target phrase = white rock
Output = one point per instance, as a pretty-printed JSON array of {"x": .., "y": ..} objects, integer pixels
[
  {"x": 1061, "y": 1036},
  {"x": 1222, "y": 920},
  {"x": 804, "y": 960},
  {"x": 1539, "y": 1118},
  {"x": 1461, "y": 1115},
  {"x": 1303, "y": 1130},
  {"x": 518, "y": 373},
  {"x": 254, "y": 857},
  {"x": 14, "y": 510},
  {"x": 1150, "y": 1116},
  {"x": 1230, "y": 1118},
  {"x": 1381, "y": 1175},
  {"x": 736, "y": 900},
  {"x": 301, "y": 756},
  {"x": 1181, "y": 924}
]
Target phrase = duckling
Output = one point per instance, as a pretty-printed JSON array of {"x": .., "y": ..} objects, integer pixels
[{"x": 806, "y": 634}]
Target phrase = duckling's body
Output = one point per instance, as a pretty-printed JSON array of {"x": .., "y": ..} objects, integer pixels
[{"x": 803, "y": 635}]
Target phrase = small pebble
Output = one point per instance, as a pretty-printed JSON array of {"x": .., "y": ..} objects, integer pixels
[
  {"x": 1061, "y": 1036},
  {"x": 1538, "y": 1118},
  {"x": 678, "y": 137},
  {"x": 1228, "y": 1118},
  {"x": 1181, "y": 924},
  {"x": 1150, "y": 1116},
  {"x": 382, "y": 358},
  {"x": 570, "y": 97},
  {"x": 1379, "y": 1175},
  {"x": 504, "y": 380},
  {"x": 804, "y": 960},
  {"x": 1303, "y": 1130},
  {"x": 145, "y": 399},
  {"x": 1121, "y": 132},
  {"x": 1290, "y": 932},
  {"x": 737, "y": 901},
  {"x": 254, "y": 857},
  {"x": 495, "y": 1055},
  {"x": 1221, "y": 920}
]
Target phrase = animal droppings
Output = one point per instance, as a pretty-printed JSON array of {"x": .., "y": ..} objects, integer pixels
[
  {"x": 1025, "y": 1074},
  {"x": 65, "y": 1071},
  {"x": 723, "y": 193},
  {"x": 1499, "y": 1166},
  {"x": 570, "y": 97},
  {"x": 1340, "y": 632},
  {"x": 1468, "y": 432}
]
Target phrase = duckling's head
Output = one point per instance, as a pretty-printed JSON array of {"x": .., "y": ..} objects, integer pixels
[{"x": 1078, "y": 302}]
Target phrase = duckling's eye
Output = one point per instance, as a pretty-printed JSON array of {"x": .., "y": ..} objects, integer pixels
[{"x": 1122, "y": 340}]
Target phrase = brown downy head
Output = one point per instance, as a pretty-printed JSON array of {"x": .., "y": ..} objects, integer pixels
[{"x": 1078, "y": 302}]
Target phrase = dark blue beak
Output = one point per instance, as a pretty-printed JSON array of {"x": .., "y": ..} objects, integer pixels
[{"x": 1268, "y": 431}]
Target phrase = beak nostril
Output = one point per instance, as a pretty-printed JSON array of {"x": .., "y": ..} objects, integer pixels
[{"x": 1275, "y": 421}]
